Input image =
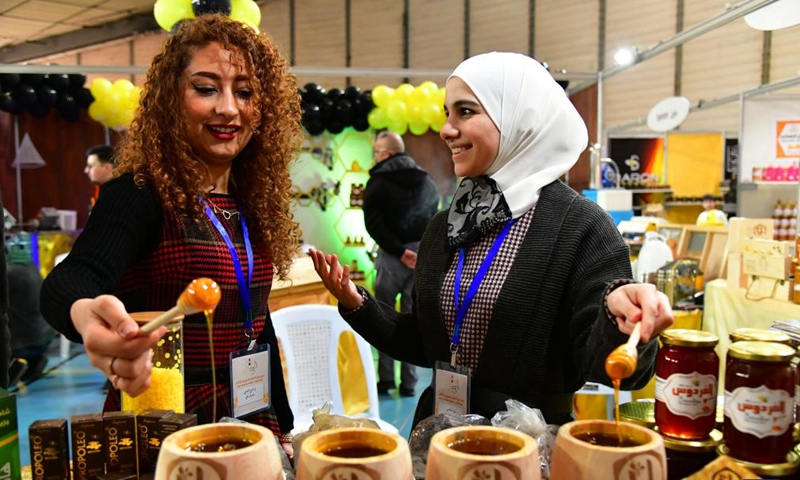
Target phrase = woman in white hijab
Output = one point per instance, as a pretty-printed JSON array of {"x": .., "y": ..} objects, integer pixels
[{"x": 522, "y": 288}]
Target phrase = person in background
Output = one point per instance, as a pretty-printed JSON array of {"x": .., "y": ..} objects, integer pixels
[
  {"x": 711, "y": 215},
  {"x": 201, "y": 189},
  {"x": 522, "y": 287},
  {"x": 31, "y": 335},
  {"x": 99, "y": 167},
  {"x": 399, "y": 200}
]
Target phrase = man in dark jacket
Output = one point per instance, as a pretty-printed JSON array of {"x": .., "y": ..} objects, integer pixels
[{"x": 399, "y": 200}]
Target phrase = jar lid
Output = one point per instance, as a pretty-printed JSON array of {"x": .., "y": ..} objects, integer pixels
[
  {"x": 767, "y": 470},
  {"x": 640, "y": 413},
  {"x": 689, "y": 338},
  {"x": 708, "y": 444},
  {"x": 759, "y": 335},
  {"x": 761, "y": 351}
]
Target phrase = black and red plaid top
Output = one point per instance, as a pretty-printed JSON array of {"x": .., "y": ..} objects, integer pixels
[{"x": 134, "y": 249}]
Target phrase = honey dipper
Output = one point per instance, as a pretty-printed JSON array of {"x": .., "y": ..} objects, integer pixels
[
  {"x": 200, "y": 295},
  {"x": 621, "y": 363}
]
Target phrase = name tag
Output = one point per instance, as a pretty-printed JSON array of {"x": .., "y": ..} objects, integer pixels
[
  {"x": 451, "y": 385},
  {"x": 250, "y": 376}
]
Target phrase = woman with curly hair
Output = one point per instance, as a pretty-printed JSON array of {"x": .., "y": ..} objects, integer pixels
[{"x": 201, "y": 189}]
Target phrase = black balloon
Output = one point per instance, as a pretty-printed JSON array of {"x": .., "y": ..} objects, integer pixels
[
  {"x": 33, "y": 79},
  {"x": 312, "y": 114},
  {"x": 25, "y": 95},
  {"x": 315, "y": 128},
  {"x": 334, "y": 94},
  {"x": 362, "y": 105},
  {"x": 67, "y": 107},
  {"x": 343, "y": 111},
  {"x": 335, "y": 127},
  {"x": 8, "y": 103},
  {"x": 76, "y": 80},
  {"x": 9, "y": 80},
  {"x": 313, "y": 93},
  {"x": 199, "y": 7},
  {"x": 326, "y": 108},
  {"x": 58, "y": 82},
  {"x": 361, "y": 124},
  {"x": 352, "y": 92},
  {"x": 84, "y": 98},
  {"x": 46, "y": 96}
]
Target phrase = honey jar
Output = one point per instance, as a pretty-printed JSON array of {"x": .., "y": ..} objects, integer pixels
[
  {"x": 686, "y": 384},
  {"x": 759, "y": 402},
  {"x": 166, "y": 391},
  {"x": 759, "y": 335},
  {"x": 685, "y": 457}
]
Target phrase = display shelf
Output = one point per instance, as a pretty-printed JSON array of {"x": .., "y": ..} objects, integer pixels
[
  {"x": 682, "y": 204},
  {"x": 649, "y": 190}
]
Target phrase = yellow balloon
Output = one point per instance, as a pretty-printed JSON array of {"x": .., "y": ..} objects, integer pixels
[
  {"x": 396, "y": 111},
  {"x": 377, "y": 118},
  {"x": 438, "y": 123},
  {"x": 413, "y": 113},
  {"x": 96, "y": 112},
  {"x": 122, "y": 87},
  {"x": 398, "y": 127},
  {"x": 418, "y": 128},
  {"x": 381, "y": 95},
  {"x": 403, "y": 92},
  {"x": 430, "y": 112},
  {"x": 428, "y": 86},
  {"x": 170, "y": 12},
  {"x": 438, "y": 97},
  {"x": 247, "y": 12},
  {"x": 100, "y": 87},
  {"x": 420, "y": 97}
]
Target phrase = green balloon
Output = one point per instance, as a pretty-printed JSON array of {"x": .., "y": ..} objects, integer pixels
[{"x": 377, "y": 119}]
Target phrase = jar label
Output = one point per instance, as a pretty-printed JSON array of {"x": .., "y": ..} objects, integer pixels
[
  {"x": 692, "y": 395},
  {"x": 761, "y": 411}
]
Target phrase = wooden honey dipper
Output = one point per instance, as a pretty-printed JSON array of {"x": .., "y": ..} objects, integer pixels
[
  {"x": 621, "y": 363},
  {"x": 200, "y": 295}
]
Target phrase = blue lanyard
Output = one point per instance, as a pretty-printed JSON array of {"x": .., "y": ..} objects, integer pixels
[
  {"x": 244, "y": 288},
  {"x": 463, "y": 307}
]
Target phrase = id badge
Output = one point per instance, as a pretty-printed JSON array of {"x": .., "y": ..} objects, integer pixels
[
  {"x": 451, "y": 385},
  {"x": 250, "y": 376}
]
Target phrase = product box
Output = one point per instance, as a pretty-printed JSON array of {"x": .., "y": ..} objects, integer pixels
[
  {"x": 767, "y": 258},
  {"x": 9, "y": 437},
  {"x": 176, "y": 421},
  {"x": 736, "y": 278},
  {"x": 88, "y": 455},
  {"x": 120, "y": 441},
  {"x": 149, "y": 443},
  {"x": 740, "y": 228},
  {"x": 759, "y": 288},
  {"x": 49, "y": 447}
]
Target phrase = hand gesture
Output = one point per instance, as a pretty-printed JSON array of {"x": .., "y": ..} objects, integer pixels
[
  {"x": 409, "y": 259},
  {"x": 640, "y": 302},
  {"x": 336, "y": 279},
  {"x": 111, "y": 342}
]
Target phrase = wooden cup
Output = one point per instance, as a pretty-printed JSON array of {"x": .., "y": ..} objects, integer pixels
[
  {"x": 260, "y": 459},
  {"x": 354, "y": 454},
  {"x": 469, "y": 453},
  {"x": 576, "y": 459}
]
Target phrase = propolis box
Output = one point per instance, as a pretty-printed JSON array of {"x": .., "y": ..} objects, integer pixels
[{"x": 9, "y": 437}]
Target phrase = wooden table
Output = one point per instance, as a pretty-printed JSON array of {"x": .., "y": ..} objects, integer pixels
[{"x": 303, "y": 286}]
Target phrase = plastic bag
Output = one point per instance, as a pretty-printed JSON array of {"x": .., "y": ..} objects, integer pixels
[
  {"x": 325, "y": 420},
  {"x": 531, "y": 421},
  {"x": 420, "y": 440}
]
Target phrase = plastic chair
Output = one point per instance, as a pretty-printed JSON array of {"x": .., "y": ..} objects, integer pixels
[
  {"x": 63, "y": 343},
  {"x": 309, "y": 339}
]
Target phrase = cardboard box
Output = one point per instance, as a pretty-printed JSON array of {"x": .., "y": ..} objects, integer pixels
[
  {"x": 736, "y": 278},
  {"x": 9, "y": 437},
  {"x": 120, "y": 441},
  {"x": 49, "y": 447},
  {"x": 767, "y": 258},
  {"x": 740, "y": 228},
  {"x": 149, "y": 443},
  {"x": 88, "y": 456}
]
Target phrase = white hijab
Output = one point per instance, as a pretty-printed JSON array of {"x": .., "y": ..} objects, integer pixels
[{"x": 541, "y": 133}]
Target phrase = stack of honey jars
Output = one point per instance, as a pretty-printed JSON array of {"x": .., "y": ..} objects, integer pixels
[
  {"x": 759, "y": 403},
  {"x": 687, "y": 369}
]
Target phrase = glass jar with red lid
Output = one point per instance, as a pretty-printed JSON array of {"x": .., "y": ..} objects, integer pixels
[
  {"x": 759, "y": 401},
  {"x": 687, "y": 368}
]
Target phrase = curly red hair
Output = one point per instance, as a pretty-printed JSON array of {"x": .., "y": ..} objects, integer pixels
[{"x": 157, "y": 151}]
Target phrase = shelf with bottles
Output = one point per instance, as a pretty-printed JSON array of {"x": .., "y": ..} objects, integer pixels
[{"x": 785, "y": 217}]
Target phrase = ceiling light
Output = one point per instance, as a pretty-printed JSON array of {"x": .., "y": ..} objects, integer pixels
[{"x": 625, "y": 56}]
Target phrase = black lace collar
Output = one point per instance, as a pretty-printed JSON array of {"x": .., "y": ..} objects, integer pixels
[{"x": 478, "y": 206}]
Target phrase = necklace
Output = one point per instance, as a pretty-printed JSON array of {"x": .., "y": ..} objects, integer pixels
[{"x": 226, "y": 214}]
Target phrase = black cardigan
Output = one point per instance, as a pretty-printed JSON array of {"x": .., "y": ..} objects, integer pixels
[{"x": 548, "y": 334}]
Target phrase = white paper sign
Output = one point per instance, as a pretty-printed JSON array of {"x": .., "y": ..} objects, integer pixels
[{"x": 668, "y": 114}]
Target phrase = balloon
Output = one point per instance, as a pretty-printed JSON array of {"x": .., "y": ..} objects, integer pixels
[
  {"x": 70, "y": 115},
  {"x": 377, "y": 118},
  {"x": 313, "y": 92},
  {"x": 10, "y": 104},
  {"x": 428, "y": 86},
  {"x": 344, "y": 111},
  {"x": 403, "y": 92},
  {"x": 199, "y": 7},
  {"x": 381, "y": 95},
  {"x": 438, "y": 97},
  {"x": 414, "y": 114},
  {"x": 247, "y": 12},
  {"x": 396, "y": 111},
  {"x": 25, "y": 95},
  {"x": 33, "y": 79},
  {"x": 334, "y": 94},
  {"x": 312, "y": 114},
  {"x": 361, "y": 124},
  {"x": 352, "y": 93},
  {"x": 46, "y": 96},
  {"x": 169, "y": 12},
  {"x": 66, "y": 104},
  {"x": 430, "y": 112},
  {"x": 335, "y": 127},
  {"x": 122, "y": 87},
  {"x": 58, "y": 82},
  {"x": 326, "y": 108},
  {"x": 39, "y": 110},
  {"x": 9, "y": 80},
  {"x": 96, "y": 112},
  {"x": 76, "y": 80},
  {"x": 315, "y": 128},
  {"x": 398, "y": 127},
  {"x": 420, "y": 97},
  {"x": 438, "y": 122},
  {"x": 363, "y": 105},
  {"x": 100, "y": 87},
  {"x": 418, "y": 128},
  {"x": 83, "y": 98}
]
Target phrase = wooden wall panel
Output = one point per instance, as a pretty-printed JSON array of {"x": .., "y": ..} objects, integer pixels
[
  {"x": 320, "y": 38},
  {"x": 145, "y": 48},
  {"x": 785, "y": 59},
  {"x": 500, "y": 25},
  {"x": 377, "y": 40},
  {"x": 275, "y": 21},
  {"x": 436, "y": 34},
  {"x": 116, "y": 53},
  {"x": 566, "y": 34}
]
